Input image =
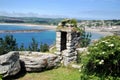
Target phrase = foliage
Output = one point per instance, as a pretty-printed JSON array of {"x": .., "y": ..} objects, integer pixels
[
  {"x": 103, "y": 57},
  {"x": 74, "y": 22},
  {"x": 1, "y": 77},
  {"x": 85, "y": 39},
  {"x": 44, "y": 47},
  {"x": 22, "y": 48},
  {"x": 71, "y": 23},
  {"x": 8, "y": 43},
  {"x": 84, "y": 76},
  {"x": 34, "y": 45}
]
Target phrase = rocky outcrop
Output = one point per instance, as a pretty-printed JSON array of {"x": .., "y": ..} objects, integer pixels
[
  {"x": 36, "y": 61},
  {"x": 9, "y": 64}
]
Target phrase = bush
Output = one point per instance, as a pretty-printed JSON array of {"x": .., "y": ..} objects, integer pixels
[
  {"x": 22, "y": 48},
  {"x": 94, "y": 77},
  {"x": 103, "y": 57},
  {"x": 1, "y": 77},
  {"x": 85, "y": 39},
  {"x": 44, "y": 47},
  {"x": 34, "y": 45},
  {"x": 8, "y": 43}
]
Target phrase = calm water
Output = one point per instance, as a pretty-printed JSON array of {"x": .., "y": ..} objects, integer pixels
[
  {"x": 41, "y": 37},
  {"x": 14, "y": 27}
]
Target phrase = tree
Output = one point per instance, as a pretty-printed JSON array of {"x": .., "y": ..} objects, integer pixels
[
  {"x": 44, "y": 47},
  {"x": 8, "y": 44},
  {"x": 22, "y": 48},
  {"x": 85, "y": 39},
  {"x": 34, "y": 45}
]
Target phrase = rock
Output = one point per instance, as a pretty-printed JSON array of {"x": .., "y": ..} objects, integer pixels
[
  {"x": 9, "y": 64},
  {"x": 80, "y": 50},
  {"x": 36, "y": 61},
  {"x": 76, "y": 66}
]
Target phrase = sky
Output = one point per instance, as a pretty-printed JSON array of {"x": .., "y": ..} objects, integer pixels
[{"x": 80, "y": 9}]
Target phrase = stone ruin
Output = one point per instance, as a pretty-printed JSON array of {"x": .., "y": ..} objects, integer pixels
[{"x": 67, "y": 39}]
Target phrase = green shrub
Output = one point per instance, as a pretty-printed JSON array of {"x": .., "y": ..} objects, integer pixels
[
  {"x": 22, "y": 48},
  {"x": 103, "y": 57},
  {"x": 94, "y": 77},
  {"x": 85, "y": 39},
  {"x": 1, "y": 77},
  {"x": 34, "y": 45},
  {"x": 8, "y": 43},
  {"x": 44, "y": 47}
]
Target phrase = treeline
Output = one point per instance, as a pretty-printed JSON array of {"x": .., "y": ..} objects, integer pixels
[
  {"x": 55, "y": 21},
  {"x": 8, "y": 43},
  {"x": 33, "y": 20}
]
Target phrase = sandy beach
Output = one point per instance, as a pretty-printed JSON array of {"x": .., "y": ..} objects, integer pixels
[
  {"x": 31, "y": 25},
  {"x": 107, "y": 33}
]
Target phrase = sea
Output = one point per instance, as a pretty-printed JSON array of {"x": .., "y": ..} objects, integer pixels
[{"x": 48, "y": 36}]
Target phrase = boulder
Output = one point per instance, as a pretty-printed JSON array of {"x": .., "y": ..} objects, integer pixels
[
  {"x": 80, "y": 50},
  {"x": 37, "y": 61},
  {"x": 9, "y": 64}
]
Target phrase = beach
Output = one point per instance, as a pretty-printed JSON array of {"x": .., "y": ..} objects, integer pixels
[
  {"x": 98, "y": 31},
  {"x": 31, "y": 25}
]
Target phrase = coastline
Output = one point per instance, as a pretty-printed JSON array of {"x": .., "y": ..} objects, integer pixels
[
  {"x": 98, "y": 31},
  {"x": 52, "y": 27}
]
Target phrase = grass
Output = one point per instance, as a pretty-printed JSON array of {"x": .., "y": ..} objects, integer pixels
[{"x": 61, "y": 73}]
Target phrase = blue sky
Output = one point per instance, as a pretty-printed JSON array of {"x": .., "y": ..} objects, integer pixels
[{"x": 82, "y": 9}]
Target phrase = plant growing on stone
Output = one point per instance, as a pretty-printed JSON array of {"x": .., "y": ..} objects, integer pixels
[
  {"x": 71, "y": 23},
  {"x": 103, "y": 57},
  {"x": 8, "y": 43}
]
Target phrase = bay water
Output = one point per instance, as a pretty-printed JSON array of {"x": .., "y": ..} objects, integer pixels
[{"x": 47, "y": 37}]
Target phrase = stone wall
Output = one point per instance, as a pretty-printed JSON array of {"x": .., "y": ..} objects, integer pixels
[
  {"x": 67, "y": 51},
  {"x": 70, "y": 54}
]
